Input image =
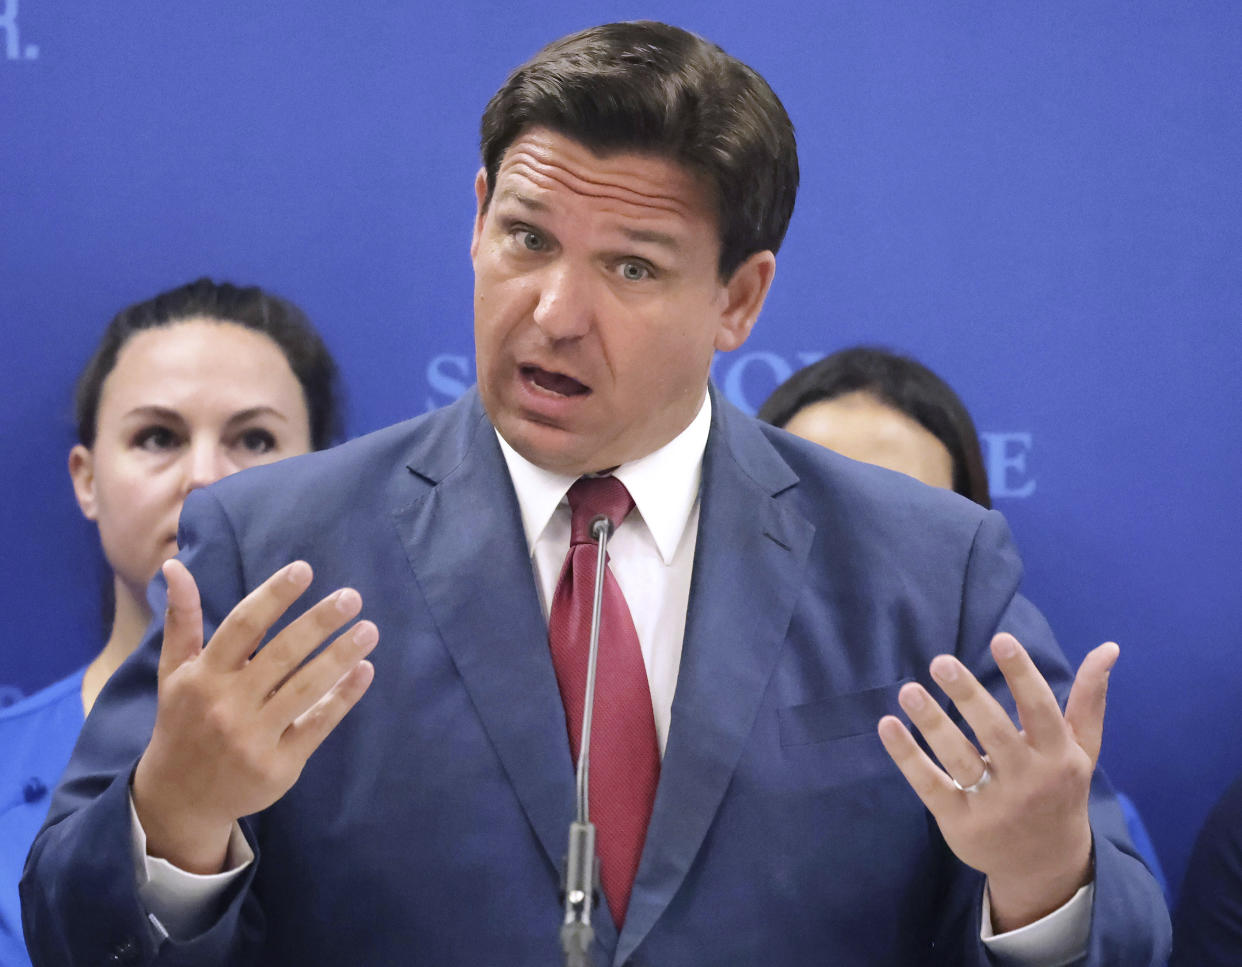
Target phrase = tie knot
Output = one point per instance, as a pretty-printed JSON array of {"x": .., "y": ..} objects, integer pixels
[{"x": 591, "y": 496}]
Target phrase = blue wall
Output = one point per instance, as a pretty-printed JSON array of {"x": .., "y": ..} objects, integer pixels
[{"x": 1040, "y": 200}]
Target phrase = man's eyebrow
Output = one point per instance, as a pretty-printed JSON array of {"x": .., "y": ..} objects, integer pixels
[
  {"x": 530, "y": 204},
  {"x": 636, "y": 235},
  {"x": 642, "y": 235}
]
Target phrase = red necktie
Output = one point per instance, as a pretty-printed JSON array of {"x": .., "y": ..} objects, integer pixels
[{"x": 625, "y": 758}]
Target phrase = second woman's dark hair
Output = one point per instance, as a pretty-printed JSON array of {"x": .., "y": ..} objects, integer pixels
[
  {"x": 247, "y": 306},
  {"x": 905, "y": 385}
]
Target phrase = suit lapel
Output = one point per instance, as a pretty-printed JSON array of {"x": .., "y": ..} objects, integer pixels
[
  {"x": 747, "y": 570},
  {"x": 464, "y": 541}
]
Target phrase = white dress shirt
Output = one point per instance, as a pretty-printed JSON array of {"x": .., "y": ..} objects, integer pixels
[{"x": 651, "y": 555}]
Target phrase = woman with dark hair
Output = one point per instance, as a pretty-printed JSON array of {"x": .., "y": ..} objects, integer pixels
[
  {"x": 879, "y": 407},
  {"x": 183, "y": 389}
]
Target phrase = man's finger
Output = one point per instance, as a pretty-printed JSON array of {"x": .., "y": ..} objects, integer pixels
[
  {"x": 183, "y": 619},
  {"x": 1084, "y": 712},
  {"x": 314, "y": 725},
  {"x": 1038, "y": 709},
  {"x": 281, "y": 656},
  {"x": 310, "y": 683},
  {"x": 956, "y": 753},
  {"x": 987, "y": 718},
  {"x": 928, "y": 781},
  {"x": 241, "y": 631}
]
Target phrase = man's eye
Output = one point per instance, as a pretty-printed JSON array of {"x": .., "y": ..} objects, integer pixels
[
  {"x": 532, "y": 241},
  {"x": 257, "y": 441},
  {"x": 156, "y": 439},
  {"x": 635, "y": 271}
]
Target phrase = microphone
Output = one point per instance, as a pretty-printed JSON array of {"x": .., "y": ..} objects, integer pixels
[{"x": 580, "y": 877}]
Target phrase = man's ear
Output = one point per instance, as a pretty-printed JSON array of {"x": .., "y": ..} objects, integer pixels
[
  {"x": 82, "y": 473},
  {"x": 744, "y": 294},
  {"x": 480, "y": 201}
]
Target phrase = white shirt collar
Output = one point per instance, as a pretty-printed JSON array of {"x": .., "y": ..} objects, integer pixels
[{"x": 664, "y": 485}]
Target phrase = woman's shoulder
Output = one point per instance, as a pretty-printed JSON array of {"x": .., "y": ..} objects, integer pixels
[
  {"x": 50, "y": 700},
  {"x": 37, "y": 734},
  {"x": 40, "y": 729}
]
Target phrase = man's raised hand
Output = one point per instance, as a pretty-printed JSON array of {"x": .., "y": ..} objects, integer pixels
[
  {"x": 233, "y": 729},
  {"x": 1020, "y": 814}
]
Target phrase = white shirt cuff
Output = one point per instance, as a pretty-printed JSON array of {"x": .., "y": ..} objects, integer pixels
[
  {"x": 1058, "y": 939},
  {"x": 182, "y": 905}
]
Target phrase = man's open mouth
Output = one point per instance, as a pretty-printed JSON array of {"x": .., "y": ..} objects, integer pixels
[{"x": 557, "y": 383}]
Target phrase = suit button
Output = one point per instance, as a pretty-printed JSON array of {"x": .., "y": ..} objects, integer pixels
[
  {"x": 126, "y": 952},
  {"x": 34, "y": 789}
]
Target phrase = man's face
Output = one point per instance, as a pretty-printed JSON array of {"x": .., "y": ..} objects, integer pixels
[{"x": 597, "y": 301}]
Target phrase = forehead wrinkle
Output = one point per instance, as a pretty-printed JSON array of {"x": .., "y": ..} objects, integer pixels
[{"x": 547, "y": 174}]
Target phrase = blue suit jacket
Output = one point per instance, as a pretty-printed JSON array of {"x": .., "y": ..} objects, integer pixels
[{"x": 430, "y": 826}]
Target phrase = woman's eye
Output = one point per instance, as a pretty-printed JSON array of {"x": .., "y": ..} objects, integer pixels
[
  {"x": 156, "y": 439},
  {"x": 257, "y": 441}
]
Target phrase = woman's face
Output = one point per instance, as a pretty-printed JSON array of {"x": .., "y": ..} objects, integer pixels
[
  {"x": 185, "y": 405},
  {"x": 859, "y": 426}
]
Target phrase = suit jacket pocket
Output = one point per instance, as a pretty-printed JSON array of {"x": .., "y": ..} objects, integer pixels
[{"x": 838, "y": 717}]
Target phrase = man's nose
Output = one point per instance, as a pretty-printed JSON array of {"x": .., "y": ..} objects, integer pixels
[
  {"x": 207, "y": 462},
  {"x": 564, "y": 309}
]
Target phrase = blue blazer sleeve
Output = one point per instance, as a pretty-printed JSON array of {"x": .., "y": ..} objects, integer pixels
[
  {"x": 79, "y": 890},
  {"x": 1125, "y": 891}
]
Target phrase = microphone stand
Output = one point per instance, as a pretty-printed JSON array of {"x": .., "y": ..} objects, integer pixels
[{"x": 580, "y": 879}]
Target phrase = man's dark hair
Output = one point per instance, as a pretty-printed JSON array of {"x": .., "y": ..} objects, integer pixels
[
  {"x": 655, "y": 89},
  {"x": 902, "y": 383},
  {"x": 247, "y": 306}
]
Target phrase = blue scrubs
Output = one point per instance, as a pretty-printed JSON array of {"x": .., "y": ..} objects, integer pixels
[{"x": 37, "y": 734}]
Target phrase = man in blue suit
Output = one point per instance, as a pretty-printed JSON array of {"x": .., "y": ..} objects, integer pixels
[{"x": 235, "y": 800}]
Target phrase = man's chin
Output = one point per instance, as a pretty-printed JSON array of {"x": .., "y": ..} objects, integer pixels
[{"x": 553, "y": 448}]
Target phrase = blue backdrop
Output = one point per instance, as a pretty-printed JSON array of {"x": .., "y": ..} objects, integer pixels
[{"x": 1041, "y": 201}]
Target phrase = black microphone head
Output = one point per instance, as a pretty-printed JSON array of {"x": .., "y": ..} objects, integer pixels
[{"x": 601, "y": 526}]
